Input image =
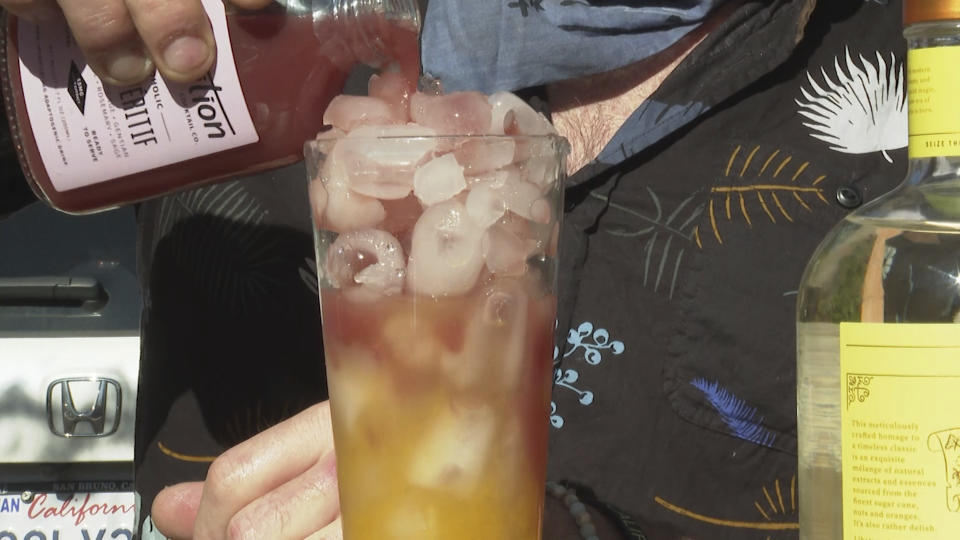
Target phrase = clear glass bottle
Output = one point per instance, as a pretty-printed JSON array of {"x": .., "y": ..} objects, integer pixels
[
  {"x": 878, "y": 361},
  {"x": 84, "y": 147}
]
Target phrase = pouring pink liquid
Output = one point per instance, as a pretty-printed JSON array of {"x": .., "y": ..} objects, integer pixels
[{"x": 289, "y": 69}]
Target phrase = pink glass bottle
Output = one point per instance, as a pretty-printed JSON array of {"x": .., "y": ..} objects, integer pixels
[{"x": 84, "y": 147}]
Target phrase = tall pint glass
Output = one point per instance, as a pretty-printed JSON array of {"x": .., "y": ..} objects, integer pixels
[{"x": 437, "y": 266}]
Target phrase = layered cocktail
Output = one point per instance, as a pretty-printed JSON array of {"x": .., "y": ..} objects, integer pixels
[{"x": 437, "y": 262}]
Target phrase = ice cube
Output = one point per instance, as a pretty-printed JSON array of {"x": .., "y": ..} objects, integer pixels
[
  {"x": 383, "y": 183},
  {"x": 349, "y": 211},
  {"x": 366, "y": 264},
  {"x": 494, "y": 341},
  {"x": 453, "y": 452},
  {"x": 519, "y": 197},
  {"x": 316, "y": 154},
  {"x": 505, "y": 306},
  {"x": 348, "y": 112},
  {"x": 318, "y": 201},
  {"x": 504, "y": 252},
  {"x": 445, "y": 257},
  {"x": 412, "y": 342},
  {"x": 511, "y": 115},
  {"x": 505, "y": 314},
  {"x": 393, "y": 146},
  {"x": 485, "y": 204},
  {"x": 546, "y": 149},
  {"x": 357, "y": 382},
  {"x": 367, "y": 177},
  {"x": 379, "y": 161},
  {"x": 438, "y": 180},
  {"x": 541, "y": 211},
  {"x": 534, "y": 236},
  {"x": 497, "y": 179},
  {"x": 331, "y": 134},
  {"x": 393, "y": 88},
  {"x": 481, "y": 155},
  {"x": 469, "y": 369},
  {"x": 410, "y": 519},
  {"x": 540, "y": 170},
  {"x": 457, "y": 113}
]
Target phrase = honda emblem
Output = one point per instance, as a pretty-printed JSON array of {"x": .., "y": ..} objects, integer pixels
[{"x": 84, "y": 406}]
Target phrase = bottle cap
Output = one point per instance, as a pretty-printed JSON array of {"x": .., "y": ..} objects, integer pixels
[{"x": 917, "y": 11}]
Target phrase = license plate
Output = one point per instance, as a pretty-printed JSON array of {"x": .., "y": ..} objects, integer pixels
[{"x": 78, "y": 516}]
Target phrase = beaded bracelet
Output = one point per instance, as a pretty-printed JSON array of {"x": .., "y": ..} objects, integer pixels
[{"x": 576, "y": 508}]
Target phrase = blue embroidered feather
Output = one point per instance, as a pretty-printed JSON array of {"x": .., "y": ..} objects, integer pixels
[{"x": 739, "y": 417}]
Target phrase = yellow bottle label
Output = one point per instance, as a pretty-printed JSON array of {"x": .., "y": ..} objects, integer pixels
[
  {"x": 900, "y": 416},
  {"x": 933, "y": 89}
]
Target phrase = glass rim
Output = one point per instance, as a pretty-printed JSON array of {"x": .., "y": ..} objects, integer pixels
[{"x": 559, "y": 139}]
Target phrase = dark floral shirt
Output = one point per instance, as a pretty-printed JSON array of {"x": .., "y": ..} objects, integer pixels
[{"x": 675, "y": 393}]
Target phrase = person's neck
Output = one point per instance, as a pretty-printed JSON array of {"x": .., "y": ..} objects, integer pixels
[{"x": 589, "y": 110}]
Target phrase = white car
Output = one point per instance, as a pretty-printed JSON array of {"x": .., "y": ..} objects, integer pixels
[{"x": 69, "y": 362}]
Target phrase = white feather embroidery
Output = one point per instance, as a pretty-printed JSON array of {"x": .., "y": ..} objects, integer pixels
[{"x": 863, "y": 111}]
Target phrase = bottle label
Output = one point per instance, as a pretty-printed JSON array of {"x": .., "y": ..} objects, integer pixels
[
  {"x": 933, "y": 87},
  {"x": 899, "y": 400},
  {"x": 88, "y": 133}
]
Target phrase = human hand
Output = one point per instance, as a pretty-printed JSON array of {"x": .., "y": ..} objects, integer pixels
[
  {"x": 125, "y": 40},
  {"x": 281, "y": 483}
]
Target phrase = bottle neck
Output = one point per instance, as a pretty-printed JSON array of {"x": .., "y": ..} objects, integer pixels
[
  {"x": 380, "y": 31},
  {"x": 405, "y": 10},
  {"x": 374, "y": 32},
  {"x": 933, "y": 86}
]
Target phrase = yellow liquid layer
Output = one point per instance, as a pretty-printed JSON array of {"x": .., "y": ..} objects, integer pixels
[
  {"x": 440, "y": 437},
  {"x": 382, "y": 498}
]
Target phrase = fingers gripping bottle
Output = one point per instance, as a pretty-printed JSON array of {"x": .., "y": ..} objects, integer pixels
[
  {"x": 878, "y": 367},
  {"x": 84, "y": 146}
]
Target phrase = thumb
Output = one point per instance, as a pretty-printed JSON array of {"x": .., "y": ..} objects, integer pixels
[{"x": 175, "y": 509}]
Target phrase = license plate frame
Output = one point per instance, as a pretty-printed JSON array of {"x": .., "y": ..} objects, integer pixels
[{"x": 73, "y": 516}]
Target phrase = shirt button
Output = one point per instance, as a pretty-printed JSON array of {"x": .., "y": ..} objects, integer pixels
[{"x": 849, "y": 197}]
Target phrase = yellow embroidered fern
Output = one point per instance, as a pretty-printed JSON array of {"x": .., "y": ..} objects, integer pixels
[{"x": 776, "y": 189}]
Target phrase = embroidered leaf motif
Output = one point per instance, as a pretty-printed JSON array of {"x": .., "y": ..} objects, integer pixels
[
  {"x": 862, "y": 111},
  {"x": 567, "y": 378},
  {"x": 555, "y": 419},
  {"x": 220, "y": 243},
  {"x": 773, "y": 504},
  {"x": 592, "y": 351},
  {"x": 309, "y": 275},
  {"x": 778, "y": 506},
  {"x": 592, "y": 354},
  {"x": 665, "y": 238},
  {"x": 735, "y": 413},
  {"x": 783, "y": 186}
]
